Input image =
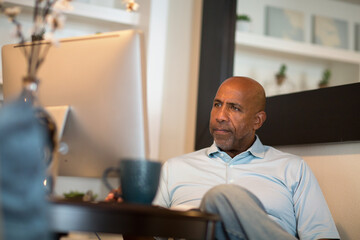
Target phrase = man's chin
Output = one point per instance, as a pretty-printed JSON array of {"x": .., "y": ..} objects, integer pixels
[{"x": 223, "y": 145}]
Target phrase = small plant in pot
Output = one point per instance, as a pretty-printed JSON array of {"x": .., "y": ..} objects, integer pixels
[
  {"x": 281, "y": 75},
  {"x": 243, "y": 22},
  {"x": 324, "y": 82}
]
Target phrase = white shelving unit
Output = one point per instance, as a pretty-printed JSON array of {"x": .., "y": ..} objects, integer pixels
[
  {"x": 260, "y": 57},
  {"x": 92, "y": 11},
  {"x": 262, "y": 42}
]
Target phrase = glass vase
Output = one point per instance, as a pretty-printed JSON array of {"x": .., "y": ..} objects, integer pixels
[{"x": 29, "y": 96}]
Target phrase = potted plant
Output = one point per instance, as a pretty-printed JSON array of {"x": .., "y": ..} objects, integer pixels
[
  {"x": 243, "y": 22},
  {"x": 324, "y": 82},
  {"x": 281, "y": 75}
]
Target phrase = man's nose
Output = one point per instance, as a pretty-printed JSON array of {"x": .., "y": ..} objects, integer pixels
[{"x": 222, "y": 114}]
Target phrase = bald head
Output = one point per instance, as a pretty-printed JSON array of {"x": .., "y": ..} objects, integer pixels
[{"x": 251, "y": 89}]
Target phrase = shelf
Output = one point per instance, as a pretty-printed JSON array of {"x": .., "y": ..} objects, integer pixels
[
  {"x": 93, "y": 12},
  {"x": 296, "y": 48}
]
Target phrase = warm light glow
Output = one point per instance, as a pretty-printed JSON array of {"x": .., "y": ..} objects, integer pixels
[
  {"x": 131, "y": 5},
  {"x": 45, "y": 182}
]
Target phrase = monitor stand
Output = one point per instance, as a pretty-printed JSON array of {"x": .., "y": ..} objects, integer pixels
[{"x": 59, "y": 114}]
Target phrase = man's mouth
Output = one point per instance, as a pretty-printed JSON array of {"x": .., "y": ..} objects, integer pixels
[{"x": 221, "y": 131}]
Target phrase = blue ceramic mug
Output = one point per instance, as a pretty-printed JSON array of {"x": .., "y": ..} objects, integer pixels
[{"x": 139, "y": 180}]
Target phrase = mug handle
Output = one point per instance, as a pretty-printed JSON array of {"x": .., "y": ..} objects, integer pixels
[{"x": 105, "y": 176}]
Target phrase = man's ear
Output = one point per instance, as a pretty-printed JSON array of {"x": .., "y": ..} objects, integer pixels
[{"x": 260, "y": 118}]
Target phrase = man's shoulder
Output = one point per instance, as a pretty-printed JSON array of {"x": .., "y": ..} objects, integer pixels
[{"x": 275, "y": 153}]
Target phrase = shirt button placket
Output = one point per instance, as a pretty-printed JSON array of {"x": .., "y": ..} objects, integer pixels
[{"x": 230, "y": 171}]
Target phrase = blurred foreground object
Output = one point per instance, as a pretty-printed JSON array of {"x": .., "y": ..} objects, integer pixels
[{"x": 23, "y": 202}]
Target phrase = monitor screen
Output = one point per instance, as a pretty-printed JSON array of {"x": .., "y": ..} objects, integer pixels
[{"x": 102, "y": 79}]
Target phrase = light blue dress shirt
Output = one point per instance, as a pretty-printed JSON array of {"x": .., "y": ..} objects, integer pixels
[{"x": 283, "y": 182}]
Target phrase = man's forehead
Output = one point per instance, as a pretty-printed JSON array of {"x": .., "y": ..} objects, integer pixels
[{"x": 228, "y": 93}]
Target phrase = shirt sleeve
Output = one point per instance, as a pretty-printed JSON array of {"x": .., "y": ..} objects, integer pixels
[
  {"x": 162, "y": 197},
  {"x": 314, "y": 220}
]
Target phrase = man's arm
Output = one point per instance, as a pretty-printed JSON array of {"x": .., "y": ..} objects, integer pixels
[
  {"x": 314, "y": 218},
  {"x": 162, "y": 197}
]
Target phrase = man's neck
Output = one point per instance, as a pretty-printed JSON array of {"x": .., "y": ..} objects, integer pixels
[{"x": 234, "y": 152}]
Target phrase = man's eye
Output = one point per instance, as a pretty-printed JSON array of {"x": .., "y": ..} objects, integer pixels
[
  {"x": 217, "y": 104},
  {"x": 235, "y": 108}
]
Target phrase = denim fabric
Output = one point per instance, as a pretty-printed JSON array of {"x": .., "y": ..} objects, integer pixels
[{"x": 242, "y": 215}]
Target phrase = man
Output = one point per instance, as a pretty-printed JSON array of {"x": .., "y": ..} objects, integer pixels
[{"x": 258, "y": 191}]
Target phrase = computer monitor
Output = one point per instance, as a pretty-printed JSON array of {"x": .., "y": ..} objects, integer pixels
[{"x": 102, "y": 78}]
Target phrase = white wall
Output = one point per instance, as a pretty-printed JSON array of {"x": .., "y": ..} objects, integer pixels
[
  {"x": 172, "y": 32},
  {"x": 181, "y": 78}
]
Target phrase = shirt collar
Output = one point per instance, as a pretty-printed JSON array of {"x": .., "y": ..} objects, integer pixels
[{"x": 257, "y": 149}]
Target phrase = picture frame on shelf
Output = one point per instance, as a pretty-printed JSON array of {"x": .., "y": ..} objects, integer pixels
[
  {"x": 330, "y": 32},
  {"x": 284, "y": 23}
]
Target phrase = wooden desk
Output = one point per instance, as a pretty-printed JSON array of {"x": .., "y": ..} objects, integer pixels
[{"x": 130, "y": 219}]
